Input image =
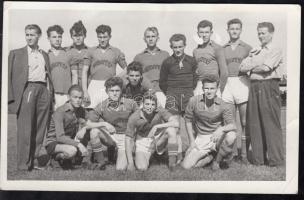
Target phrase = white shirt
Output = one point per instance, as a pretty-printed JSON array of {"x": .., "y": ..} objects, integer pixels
[{"x": 36, "y": 64}]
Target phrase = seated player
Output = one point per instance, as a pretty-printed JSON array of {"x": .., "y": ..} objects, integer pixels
[
  {"x": 135, "y": 86},
  {"x": 213, "y": 124},
  {"x": 65, "y": 138},
  {"x": 111, "y": 116},
  {"x": 153, "y": 129}
]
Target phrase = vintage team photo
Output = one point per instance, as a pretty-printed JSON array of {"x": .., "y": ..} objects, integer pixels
[{"x": 145, "y": 95}]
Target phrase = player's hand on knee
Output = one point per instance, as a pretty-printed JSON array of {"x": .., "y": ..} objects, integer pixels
[
  {"x": 86, "y": 96},
  {"x": 80, "y": 134},
  {"x": 216, "y": 136},
  {"x": 83, "y": 149},
  {"x": 192, "y": 147}
]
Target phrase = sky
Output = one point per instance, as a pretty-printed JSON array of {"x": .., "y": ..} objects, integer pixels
[{"x": 128, "y": 25}]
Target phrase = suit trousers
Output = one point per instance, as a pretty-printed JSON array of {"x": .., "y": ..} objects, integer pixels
[
  {"x": 263, "y": 122},
  {"x": 32, "y": 121}
]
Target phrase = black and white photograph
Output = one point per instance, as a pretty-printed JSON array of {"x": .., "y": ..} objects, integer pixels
[{"x": 141, "y": 97}]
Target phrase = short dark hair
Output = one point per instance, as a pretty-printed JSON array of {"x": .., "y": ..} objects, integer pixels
[
  {"x": 177, "y": 37},
  {"x": 135, "y": 66},
  {"x": 113, "y": 81},
  {"x": 204, "y": 23},
  {"x": 103, "y": 29},
  {"x": 209, "y": 78},
  {"x": 56, "y": 28},
  {"x": 33, "y": 26},
  {"x": 151, "y": 96},
  {"x": 78, "y": 27},
  {"x": 268, "y": 25},
  {"x": 234, "y": 21},
  {"x": 75, "y": 88}
]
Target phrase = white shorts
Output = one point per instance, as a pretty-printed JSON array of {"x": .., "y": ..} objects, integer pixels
[
  {"x": 147, "y": 145},
  {"x": 199, "y": 90},
  {"x": 119, "y": 139},
  {"x": 60, "y": 99},
  {"x": 161, "y": 98},
  {"x": 97, "y": 93},
  {"x": 236, "y": 90},
  {"x": 204, "y": 143}
]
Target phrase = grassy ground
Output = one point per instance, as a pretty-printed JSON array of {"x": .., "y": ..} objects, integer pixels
[{"x": 157, "y": 171}]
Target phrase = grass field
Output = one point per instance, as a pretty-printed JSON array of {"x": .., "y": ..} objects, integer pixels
[{"x": 157, "y": 171}]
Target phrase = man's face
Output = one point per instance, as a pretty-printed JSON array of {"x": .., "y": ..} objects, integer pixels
[
  {"x": 55, "y": 39},
  {"x": 103, "y": 39},
  {"x": 134, "y": 77},
  {"x": 114, "y": 93},
  {"x": 264, "y": 35},
  {"x": 31, "y": 37},
  {"x": 76, "y": 98},
  {"x": 234, "y": 31},
  {"x": 205, "y": 33},
  {"x": 149, "y": 106},
  {"x": 151, "y": 38},
  {"x": 78, "y": 38},
  {"x": 178, "y": 48},
  {"x": 210, "y": 90}
]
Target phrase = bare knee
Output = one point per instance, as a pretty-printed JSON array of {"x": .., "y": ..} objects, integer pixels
[
  {"x": 230, "y": 137},
  {"x": 142, "y": 167},
  {"x": 70, "y": 151}
]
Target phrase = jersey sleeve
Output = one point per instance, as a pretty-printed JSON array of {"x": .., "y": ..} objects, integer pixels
[
  {"x": 96, "y": 114},
  {"x": 227, "y": 114}
]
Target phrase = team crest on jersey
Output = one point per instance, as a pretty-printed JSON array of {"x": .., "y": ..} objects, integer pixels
[
  {"x": 58, "y": 64},
  {"x": 151, "y": 67},
  {"x": 103, "y": 62},
  {"x": 205, "y": 60}
]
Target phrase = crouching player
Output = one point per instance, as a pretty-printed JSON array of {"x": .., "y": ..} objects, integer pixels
[
  {"x": 66, "y": 138},
  {"x": 110, "y": 119},
  {"x": 154, "y": 129},
  {"x": 214, "y": 125}
]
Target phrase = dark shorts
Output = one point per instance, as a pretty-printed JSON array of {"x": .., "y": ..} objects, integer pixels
[
  {"x": 50, "y": 148},
  {"x": 177, "y": 99}
]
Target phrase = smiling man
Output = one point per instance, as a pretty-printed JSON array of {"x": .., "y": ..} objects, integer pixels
[
  {"x": 153, "y": 129},
  {"x": 209, "y": 57},
  {"x": 29, "y": 87},
  {"x": 103, "y": 59},
  {"x": 264, "y": 104},
  {"x": 237, "y": 88},
  {"x": 213, "y": 124}
]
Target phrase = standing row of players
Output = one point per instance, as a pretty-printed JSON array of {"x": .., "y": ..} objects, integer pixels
[{"x": 186, "y": 86}]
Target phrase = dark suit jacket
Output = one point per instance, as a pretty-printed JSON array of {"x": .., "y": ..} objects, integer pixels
[{"x": 18, "y": 75}]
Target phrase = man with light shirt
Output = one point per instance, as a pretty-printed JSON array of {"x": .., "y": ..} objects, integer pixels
[
  {"x": 30, "y": 95},
  {"x": 264, "y": 104}
]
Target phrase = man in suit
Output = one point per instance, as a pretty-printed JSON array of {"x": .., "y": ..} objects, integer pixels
[{"x": 29, "y": 96}]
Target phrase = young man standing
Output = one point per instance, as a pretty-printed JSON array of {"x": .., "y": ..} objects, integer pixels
[
  {"x": 153, "y": 129},
  {"x": 29, "y": 87},
  {"x": 264, "y": 103},
  {"x": 104, "y": 59},
  {"x": 151, "y": 59},
  {"x": 111, "y": 116},
  {"x": 78, "y": 52},
  {"x": 209, "y": 56},
  {"x": 66, "y": 137},
  {"x": 135, "y": 86},
  {"x": 60, "y": 65},
  {"x": 178, "y": 76},
  {"x": 213, "y": 124},
  {"x": 237, "y": 88}
]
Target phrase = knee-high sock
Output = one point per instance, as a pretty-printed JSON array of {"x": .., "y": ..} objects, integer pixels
[{"x": 97, "y": 150}]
